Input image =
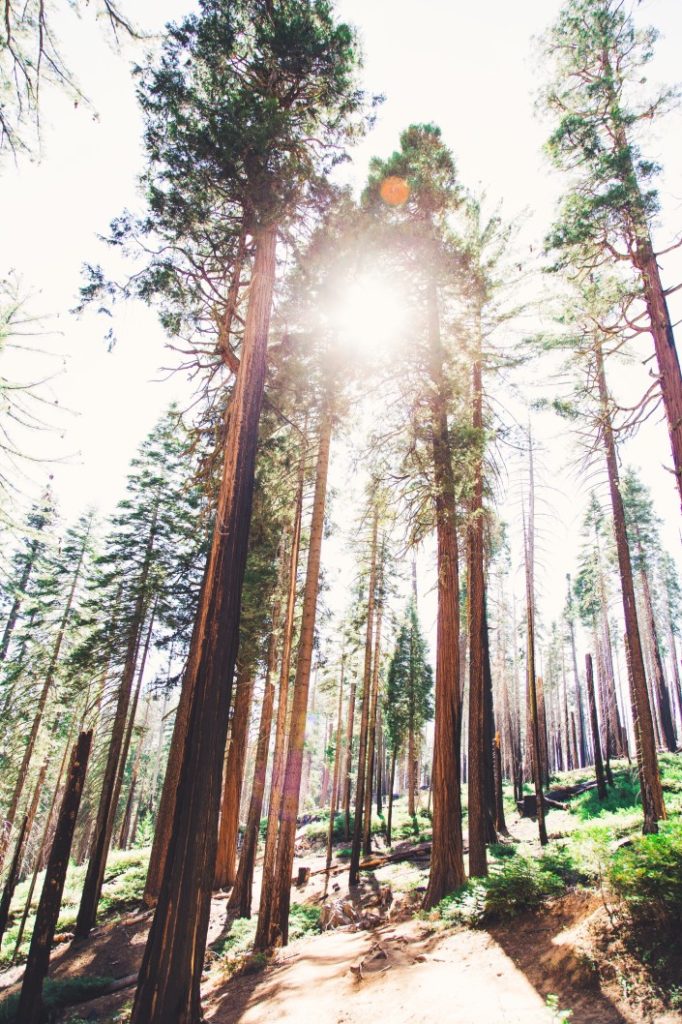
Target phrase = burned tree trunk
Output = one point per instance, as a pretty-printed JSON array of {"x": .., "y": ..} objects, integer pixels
[
  {"x": 22, "y": 839},
  {"x": 596, "y": 740},
  {"x": 30, "y": 1010}
]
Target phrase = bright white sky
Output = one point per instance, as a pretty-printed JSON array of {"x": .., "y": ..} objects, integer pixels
[{"x": 465, "y": 66}]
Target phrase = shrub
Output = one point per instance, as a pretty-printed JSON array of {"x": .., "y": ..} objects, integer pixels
[
  {"x": 502, "y": 850},
  {"x": 520, "y": 884},
  {"x": 647, "y": 877},
  {"x": 559, "y": 861},
  {"x": 516, "y": 885}
]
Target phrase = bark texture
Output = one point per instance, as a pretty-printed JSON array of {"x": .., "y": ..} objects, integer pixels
[{"x": 170, "y": 975}]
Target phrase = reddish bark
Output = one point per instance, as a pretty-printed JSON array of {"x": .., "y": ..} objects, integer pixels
[
  {"x": 354, "y": 871},
  {"x": 226, "y": 858},
  {"x": 170, "y": 975},
  {"x": 279, "y": 920},
  {"x": 267, "y": 891},
  {"x": 650, "y": 783},
  {"x": 447, "y": 855},
  {"x": 240, "y": 897}
]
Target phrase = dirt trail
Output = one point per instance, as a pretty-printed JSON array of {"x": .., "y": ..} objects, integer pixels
[
  {"x": 404, "y": 972},
  {"x": 406, "y": 979},
  {"x": 400, "y": 973}
]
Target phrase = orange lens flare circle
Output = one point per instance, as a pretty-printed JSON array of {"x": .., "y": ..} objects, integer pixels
[{"x": 394, "y": 190}]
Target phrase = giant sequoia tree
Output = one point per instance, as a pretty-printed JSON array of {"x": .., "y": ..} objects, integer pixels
[
  {"x": 416, "y": 188},
  {"x": 260, "y": 98}
]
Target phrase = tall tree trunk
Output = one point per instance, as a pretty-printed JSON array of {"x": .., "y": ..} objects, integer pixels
[
  {"x": 267, "y": 891},
  {"x": 381, "y": 758},
  {"x": 40, "y": 710},
  {"x": 447, "y": 851},
  {"x": 279, "y": 920},
  {"x": 389, "y": 818},
  {"x": 583, "y": 751},
  {"x": 644, "y": 259},
  {"x": 348, "y": 770},
  {"x": 667, "y": 724},
  {"x": 596, "y": 739},
  {"x": 500, "y": 823},
  {"x": 489, "y": 731},
  {"x": 226, "y": 857},
  {"x": 170, "y": 975},
  {"x": 125, "y": 750},
  {"x": 39, "y": 853},
  {"x": 542, "y": 723},
  {"x": 164, "y": 819},
  {"x": 371, "y": 739},
  {"x": 30, "y": 1009},
  {"x": 129, "y": 821},
  {"x": 113, "y": 773},
  {"x": 664, "y": 344},
  {"x": 242, "y": 891},
  {"x": 22, "y": 840},
  {"x": 477, "y": 810},
  {"x": 535, "y": 744},
  {"x": 650, "y": 783},
  {"x": 354, "y": 871},
  {"x": 335, "y": 784}
]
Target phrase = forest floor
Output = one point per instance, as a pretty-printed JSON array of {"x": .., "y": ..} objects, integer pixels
[{"x": 548, "y": 951}]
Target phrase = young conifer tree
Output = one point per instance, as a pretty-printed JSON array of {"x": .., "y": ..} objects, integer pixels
[
  {"x": 408, "y": 703},
  {"x": 598, "y": 60}
]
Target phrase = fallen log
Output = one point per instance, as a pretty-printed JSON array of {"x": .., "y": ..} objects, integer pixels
[{"x": 419, "y": 852}]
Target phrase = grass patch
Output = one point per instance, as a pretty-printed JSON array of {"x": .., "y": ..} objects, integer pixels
[
  {"x": 122, "y": 890},
  {"x": 57, "y": 995},
  {"x": 304, "y": 919}
]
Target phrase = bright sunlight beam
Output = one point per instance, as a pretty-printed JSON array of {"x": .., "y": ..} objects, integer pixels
[{"x": 371, "y": 314}]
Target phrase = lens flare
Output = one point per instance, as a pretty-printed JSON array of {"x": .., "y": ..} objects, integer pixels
[{"x": 394, "y": 190}]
